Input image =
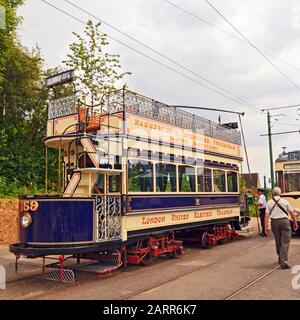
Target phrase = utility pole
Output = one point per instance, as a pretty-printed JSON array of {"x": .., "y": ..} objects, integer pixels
[
  {"x": 270, "y": 138},
  {"x": 270, "y": 150}
]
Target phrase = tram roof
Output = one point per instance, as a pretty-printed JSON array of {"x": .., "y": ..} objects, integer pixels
[
  {"x": 289, "y": 156},
  {"x": 131, "y": 102}
]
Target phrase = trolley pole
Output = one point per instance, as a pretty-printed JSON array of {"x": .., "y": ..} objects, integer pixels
[{"x": 270, "y": 150}]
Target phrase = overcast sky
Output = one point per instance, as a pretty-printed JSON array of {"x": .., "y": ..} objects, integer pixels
[{"x": 272, "y": 25}]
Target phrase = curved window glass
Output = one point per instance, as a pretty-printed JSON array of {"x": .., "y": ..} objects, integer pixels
[
  {"x": 187, "y": 179},
  {"x": 204, "y": 180},
  {"x": 232, "y": 181},
  {"x": 165, "y": 177},
  {"x": 219, "y": 181},
  {"x": 140, "y": 176}
]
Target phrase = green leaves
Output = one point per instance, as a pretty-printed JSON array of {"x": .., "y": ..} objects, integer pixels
[
  {"x": 23, "y": 115},
  {"x": 97, "y": 70}
]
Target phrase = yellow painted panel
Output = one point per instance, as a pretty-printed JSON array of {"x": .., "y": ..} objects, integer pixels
[
  {"x": 152, "y": 129},
  {"x": 66, "y": 124},
  {"x": 146, "y": 221},
  {"x": 281, "y": 166},
  {"x": 111, "y": 124},
  {"x": 49, "y": 128}
]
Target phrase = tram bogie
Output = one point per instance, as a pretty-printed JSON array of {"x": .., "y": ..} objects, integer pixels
[
  {"x": 147, "y": 250},
  {"x": 210, "y": 236}
]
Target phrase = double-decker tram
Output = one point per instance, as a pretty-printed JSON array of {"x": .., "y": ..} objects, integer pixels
[
  {"x": 287, "y": 168},
  {"x": 136, "y": 177}
]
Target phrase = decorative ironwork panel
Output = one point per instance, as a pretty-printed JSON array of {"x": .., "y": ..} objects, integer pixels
[
  {"x": 149, "y": 108},
  {"x": 108, "y": 210},
  {"x": 61, "y": 107}
]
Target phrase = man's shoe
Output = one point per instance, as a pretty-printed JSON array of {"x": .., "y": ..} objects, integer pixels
[{"x": 284, "y": 265}]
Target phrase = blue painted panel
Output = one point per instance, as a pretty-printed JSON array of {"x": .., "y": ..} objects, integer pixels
[
  {"x": 164, "y": 202},
  {"x": 61, "y": 221}
]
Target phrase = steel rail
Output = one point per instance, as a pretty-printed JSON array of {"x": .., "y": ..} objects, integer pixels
[{"x": 256, "y": 280}]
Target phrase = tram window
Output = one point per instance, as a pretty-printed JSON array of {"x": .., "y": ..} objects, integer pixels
[
  {"x": 165, "y": 177},
  {"x": 187, "y": 181},
  {"x": 113, "y": 184},
  {"x": 200, "y": 174},
  {"x": 204, "y": 180},
  {"x": 232, "y": 181},
  {"x": 99, "y": 185},
  {"x": 140, "y": 176},
  {"x": 292, "y": 182},
  {"x": 219, "y": 181},
  {"x": 207, "y": 180}
]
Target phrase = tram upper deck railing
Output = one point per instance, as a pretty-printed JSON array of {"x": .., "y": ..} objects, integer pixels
[
  {"x": 128, "y": 101},
  {"x": 62, "y": 107}
]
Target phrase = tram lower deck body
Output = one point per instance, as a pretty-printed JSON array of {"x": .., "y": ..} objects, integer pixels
[{"x": 85, "y": 227}]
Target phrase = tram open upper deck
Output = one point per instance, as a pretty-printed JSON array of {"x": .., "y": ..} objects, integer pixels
[{"x": 130, "y": 167}]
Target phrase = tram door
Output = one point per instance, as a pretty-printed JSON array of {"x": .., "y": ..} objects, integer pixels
[{"x": 108, "y": 206}]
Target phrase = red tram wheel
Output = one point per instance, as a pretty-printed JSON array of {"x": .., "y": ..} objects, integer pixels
[
  {"x": 148, "y": 259},
  {"x": 205, "y": 242}
]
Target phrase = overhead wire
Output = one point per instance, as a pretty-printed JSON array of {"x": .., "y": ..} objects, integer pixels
[
  {"x": 287, "y": 124},
  {"x": 241, "y": 100},
  {"x": 253, "y": 46},
  {"x": 153, "y": 59},
  {"x": 226, "y": 32}
]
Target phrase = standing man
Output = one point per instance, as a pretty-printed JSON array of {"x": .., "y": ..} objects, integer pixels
[
  {"x": 262, "y": 202},
  {"x": 278, "y": 210}
]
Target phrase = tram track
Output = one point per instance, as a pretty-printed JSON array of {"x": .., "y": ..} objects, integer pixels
[
  {"x": 252, "y": 246},
  {"x": 148, "y": 269},
  {"x": 254, "y": 281},
  {"x": 183, "y": 274},
  {"x": 228, "y": 297}
]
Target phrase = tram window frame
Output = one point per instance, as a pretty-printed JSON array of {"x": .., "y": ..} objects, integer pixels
[
  {"x": 168, "y": 183},
  {"x": 110, "y": 182},
  {"x": 180, "y": 186},
  {"x": 147, "y": 184},
  {"x": 206, "y": 180},
  {"x": 286, "y": 188},
  {"x": 280, "y": 180},
  {"x": 235, "y": 190},
  {"x": 214, "y": 184}
]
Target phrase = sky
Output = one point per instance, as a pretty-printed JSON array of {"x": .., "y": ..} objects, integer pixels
[{"x": 208, "y": 51}]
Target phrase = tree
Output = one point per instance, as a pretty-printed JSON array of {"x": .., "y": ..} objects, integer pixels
[
  {"x": 98, "y": 71},
  {"x": 8, "y": 34},
  {"x": 23, "y": 109},
  {"x": 23, "y": 117}
]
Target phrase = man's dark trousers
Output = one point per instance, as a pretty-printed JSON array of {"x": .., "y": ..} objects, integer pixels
[{"x": 262, "y": 215}]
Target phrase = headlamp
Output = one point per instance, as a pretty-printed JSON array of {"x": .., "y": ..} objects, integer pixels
[{"x": 26, "y": 220}]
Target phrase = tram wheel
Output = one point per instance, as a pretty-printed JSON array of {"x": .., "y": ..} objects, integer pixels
[
  {"x": 175, "y": 253},
  {"x": 148, "y": 259},
  {"x": 204, "y": 241}
]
